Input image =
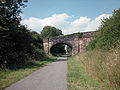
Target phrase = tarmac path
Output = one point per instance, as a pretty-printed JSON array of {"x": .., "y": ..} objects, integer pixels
[{"x": 50, "y": 77}]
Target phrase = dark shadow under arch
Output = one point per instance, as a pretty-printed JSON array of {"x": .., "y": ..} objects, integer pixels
[{"x": 57, "y": 45}]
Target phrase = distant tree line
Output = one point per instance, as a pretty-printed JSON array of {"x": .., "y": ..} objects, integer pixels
[{"x": 109, "y": 33}]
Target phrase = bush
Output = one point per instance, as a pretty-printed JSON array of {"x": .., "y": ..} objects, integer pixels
[
  {"x": 19, "y": 47},
  {"x": 109, "y": 33},
  {"x": 18, "y": 44}
]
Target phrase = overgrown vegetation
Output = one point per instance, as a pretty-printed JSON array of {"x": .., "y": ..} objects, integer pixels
[
  {"x": 109, "y": 33},
  {"x": 78, "y": 79},
  {"x": 18, "y": 45},
  {"x": 101, "y": 59},
  {"x": 104, "y": 67},
  {"x": 21, "y": 50}
]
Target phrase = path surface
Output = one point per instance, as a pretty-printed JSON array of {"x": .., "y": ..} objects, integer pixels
[{"x": 50, "y": 77}]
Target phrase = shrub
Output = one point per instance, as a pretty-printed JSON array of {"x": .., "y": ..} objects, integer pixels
[{"x": 109, "y": 33}]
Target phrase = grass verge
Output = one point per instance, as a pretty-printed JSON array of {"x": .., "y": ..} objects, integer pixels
[
  {"x": 94, "y": 70},
  {"x": 8, "y": 77},
  {"x": 78, "y": 78}
]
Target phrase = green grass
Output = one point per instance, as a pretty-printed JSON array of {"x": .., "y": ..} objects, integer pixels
[
  {"x": 94, "y": 70},
  {"x": 9, "y": 77},
  {"x": 78, "y": 79}
]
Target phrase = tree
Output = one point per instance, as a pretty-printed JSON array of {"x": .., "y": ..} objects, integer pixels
[
  {"x": 9, "y": 30},
  {"x": 18, "y": 44},
  {"x": 49, "y": 31},
  {"x": 38, "y": 46},
  {"x": 10, "y": 13},
  {"x": 109, "y": 33}
]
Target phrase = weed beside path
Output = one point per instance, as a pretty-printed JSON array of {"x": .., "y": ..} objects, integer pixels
[
  {"x": 8, "y": 77},
  {"x": 78, "y": 79}
]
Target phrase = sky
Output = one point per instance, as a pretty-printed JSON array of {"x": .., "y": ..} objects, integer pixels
[{"x": 71, "y": 16}]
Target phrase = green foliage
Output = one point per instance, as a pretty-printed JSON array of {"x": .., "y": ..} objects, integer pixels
[
  {"x": 37, "y": 44},
  {"x": 17, "y": 44},
  {"x": 102, "y": 66},
  {"x": 91, "y": 45},
  {"x": 80, "y": 34},
  {"x": 109, "y": 33},
  {"x": 49, "y": 31},
  {"x": 58, "y": 50},
  {"x": 19, "y": 47},
  {"x": 69, "y": 51},
  {"x": 9, "y": 77},
  {"x": 78, "y": 79},
  {"x": 10, "y": 32},
  {"x": 10, "y": 13}
]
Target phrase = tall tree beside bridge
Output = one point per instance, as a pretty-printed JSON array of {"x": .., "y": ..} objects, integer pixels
[{"x": 49, "y": 31}]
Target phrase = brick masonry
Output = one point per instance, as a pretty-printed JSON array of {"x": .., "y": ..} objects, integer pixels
[{"x": 73, "y": 40}]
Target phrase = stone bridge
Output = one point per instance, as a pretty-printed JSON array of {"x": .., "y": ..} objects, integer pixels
[{"x": 76, "y": 41}]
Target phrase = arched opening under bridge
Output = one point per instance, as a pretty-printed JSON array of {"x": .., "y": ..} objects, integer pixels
[
  {"x": 76, "y": 42},
  {"x": 59, "y": 49}
]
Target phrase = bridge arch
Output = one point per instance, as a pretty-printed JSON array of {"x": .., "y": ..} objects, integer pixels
[
  {"x": 63, "y": 42},
  {"x": 73, "y": 40},
  {"x": 60, "y": 43}
]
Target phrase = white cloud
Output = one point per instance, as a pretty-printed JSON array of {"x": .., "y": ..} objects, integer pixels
[
  {"x": 83, "y": 24},
  {"x": 94, "y": 24}
]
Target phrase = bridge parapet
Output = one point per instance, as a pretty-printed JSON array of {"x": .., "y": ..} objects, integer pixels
[{"x": 73, "y": 40}]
